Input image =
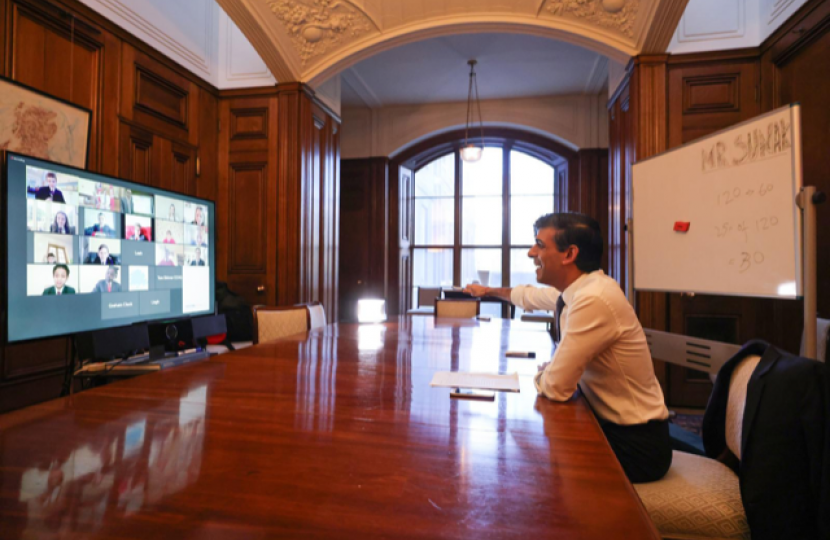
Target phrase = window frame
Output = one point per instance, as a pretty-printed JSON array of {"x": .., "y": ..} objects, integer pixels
[{"x": 507, "y": 146}]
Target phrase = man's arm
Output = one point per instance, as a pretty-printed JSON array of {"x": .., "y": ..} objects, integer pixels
[
  {"x": 480, "y": 290},
  {"x": 526, "y": 297}
]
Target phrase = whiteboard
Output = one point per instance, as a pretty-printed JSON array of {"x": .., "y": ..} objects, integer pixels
[{"x": 736, "y": 189}]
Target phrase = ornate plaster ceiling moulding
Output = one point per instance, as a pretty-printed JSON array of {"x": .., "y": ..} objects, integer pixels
[
  {"x": 619, "y": 15},
  {"x": 317, "y": 27}
]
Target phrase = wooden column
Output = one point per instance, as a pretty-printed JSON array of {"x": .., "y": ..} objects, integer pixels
[{"x": 648, "y": 102}]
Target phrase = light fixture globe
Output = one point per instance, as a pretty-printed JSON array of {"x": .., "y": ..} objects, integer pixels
[{"x": 470, "y": 151}]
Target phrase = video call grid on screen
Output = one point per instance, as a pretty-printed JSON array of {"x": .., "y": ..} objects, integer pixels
[{"x": 115, "y": 251}]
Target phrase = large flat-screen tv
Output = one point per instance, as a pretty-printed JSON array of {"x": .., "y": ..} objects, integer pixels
[{"x": 116, "y": 252}]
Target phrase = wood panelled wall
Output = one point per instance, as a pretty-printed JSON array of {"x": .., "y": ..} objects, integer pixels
[
  {"x": 270, "y": 162},
  {"x": 279, "y": 154},
  {"x": 667, "y": 101}
]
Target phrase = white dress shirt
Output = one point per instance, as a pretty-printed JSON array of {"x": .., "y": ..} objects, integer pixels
[{"x": 603, "y": 347}]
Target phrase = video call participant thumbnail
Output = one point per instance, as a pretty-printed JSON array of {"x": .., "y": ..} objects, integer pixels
[
  {"x": 197, "y": 258},
  {"x": 61, "y": 225},
  {"x": 50, "y": 191},
  {"x": 60, "y": 273},
  {"x": 138, "y": 228},
  {"x": 102, "y": 256},
  {"x": 102, "y": 227},
  {"x": 108, "y": 284}
]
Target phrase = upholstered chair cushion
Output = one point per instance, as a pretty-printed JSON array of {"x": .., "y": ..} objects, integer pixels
[
  {"x": 737, "y": 402},
  {"x": 318, "y": 316},
  {"x": 456, "y": 308},
  {"x": 280, "y": 323},
  {"x": 699, "y": 498}
]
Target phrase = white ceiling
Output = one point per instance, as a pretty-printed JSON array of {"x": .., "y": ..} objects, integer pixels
[{"x": 509, "y": 66}]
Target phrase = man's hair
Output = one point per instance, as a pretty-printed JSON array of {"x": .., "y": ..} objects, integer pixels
[
  {"x": 575, "y": 230},
  {"x": 50, "y": 255},
  {"x": 53, "y": 175},
  {"x": 102, "y": 246},
  {"x": 100, "y": 214},
  {"x": 65, "y": 268}
]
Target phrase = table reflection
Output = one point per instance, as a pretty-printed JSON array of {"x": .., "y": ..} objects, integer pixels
[{"x": 121, "y": 466}]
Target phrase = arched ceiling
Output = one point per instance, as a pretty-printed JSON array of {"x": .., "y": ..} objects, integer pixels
[{"x": 311, "y": 40}]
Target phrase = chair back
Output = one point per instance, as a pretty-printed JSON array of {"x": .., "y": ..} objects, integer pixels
[
  {"x": 316, "y": 315},
  {"x": 275, "y": 322},
  {"x": 822, "y": 340},
  {"x": 737, "y": 402},
  {"x": 427, "y": 295},
  {"x": 460, "y": 309}
]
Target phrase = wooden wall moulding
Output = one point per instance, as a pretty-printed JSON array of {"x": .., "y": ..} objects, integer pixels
[
  {"x": 713, "y": 93},
  {"x": 157, "y": 98},
  {"x": 160, "y": 98},
  {"x": 249, "y": 124},
  {"x": 136, "y": 154},
  {"x": 247, "y": 201}
]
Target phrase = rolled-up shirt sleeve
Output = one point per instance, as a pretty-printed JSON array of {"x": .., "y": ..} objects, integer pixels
[
  {"x": 591, "y": 328},
  {"x": 528, "y": 297}
]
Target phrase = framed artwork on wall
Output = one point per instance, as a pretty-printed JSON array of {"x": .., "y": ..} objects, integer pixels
[{"x": 43, "y": 126}]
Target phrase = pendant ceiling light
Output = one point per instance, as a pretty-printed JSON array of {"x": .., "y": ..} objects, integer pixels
[{"x": 472, "y": 151}]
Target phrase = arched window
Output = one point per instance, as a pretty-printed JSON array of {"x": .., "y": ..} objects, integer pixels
[{"x": 474, "y": 221}]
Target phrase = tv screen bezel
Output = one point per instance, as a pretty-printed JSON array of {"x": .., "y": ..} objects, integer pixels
[{"x": 4, "y": 189}]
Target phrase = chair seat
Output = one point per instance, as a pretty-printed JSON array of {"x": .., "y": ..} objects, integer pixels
[{"x": 699, "y": 498}]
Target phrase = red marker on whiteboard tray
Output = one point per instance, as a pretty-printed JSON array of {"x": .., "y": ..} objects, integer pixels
[{"x": 681, "y": 226}]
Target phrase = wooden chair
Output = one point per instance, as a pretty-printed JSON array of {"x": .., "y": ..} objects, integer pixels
[
  {"x": 316, "y": 315},
  {"x": 458, "y": 309},
  {"x": 426, "y": 296},
  {"x": 275, "y": 322},
  {"x": 700, "y": 498}
]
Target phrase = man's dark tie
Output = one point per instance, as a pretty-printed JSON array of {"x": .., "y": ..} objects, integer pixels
[{"x": 560, "y": 305}]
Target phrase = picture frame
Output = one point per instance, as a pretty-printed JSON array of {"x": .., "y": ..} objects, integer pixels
[{"x": 43, "y": 126}]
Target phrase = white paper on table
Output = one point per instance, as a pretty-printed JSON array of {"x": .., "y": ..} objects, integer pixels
[{"x": 481, "y": 381}]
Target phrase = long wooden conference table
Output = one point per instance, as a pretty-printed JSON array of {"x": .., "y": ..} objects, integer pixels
[{"x": 331, "y": 434}]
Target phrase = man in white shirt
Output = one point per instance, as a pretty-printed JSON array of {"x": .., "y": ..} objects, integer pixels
[{"x": 601, "y": 345}]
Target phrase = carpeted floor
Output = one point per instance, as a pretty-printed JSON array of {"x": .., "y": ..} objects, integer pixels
[{"x": 689, "y": 422}]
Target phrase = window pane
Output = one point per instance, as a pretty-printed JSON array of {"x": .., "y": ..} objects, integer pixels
[
  {"x": 524, "y": 211},
  {"x": 530, "y": 176},
  {"x": 482, "y": 265},
  {"x": 522, "y": 272},
  {"x": 436, "y": 178},
  {"x": 432, "y": 267},
  {"x": 482, "y": 217},
  {"x": 522, "y": 269},
  {"x": 434, "y": 221},
  {"x": 483, "y": 177}
]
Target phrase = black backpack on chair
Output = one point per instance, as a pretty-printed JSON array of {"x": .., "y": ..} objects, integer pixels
[{"x": 240, "y": 319}]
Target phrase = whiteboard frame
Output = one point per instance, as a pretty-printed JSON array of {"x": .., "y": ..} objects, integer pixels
[{"x": 797, "y": 186}]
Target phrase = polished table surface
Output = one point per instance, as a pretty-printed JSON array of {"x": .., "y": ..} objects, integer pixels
[{"x": 331, "y": 434}]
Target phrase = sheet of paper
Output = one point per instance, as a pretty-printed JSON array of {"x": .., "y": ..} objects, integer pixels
[{"x": 481, "y": 381}]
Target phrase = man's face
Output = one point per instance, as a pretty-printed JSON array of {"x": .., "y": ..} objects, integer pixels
[
  {"x": 547, "y": 258},
  {"x": 110, "y": 273},
  {"x": 103, "y": 253},
  {"x": 198, "y": 254},
  {"x": 52, "y": 182},
  {"x": 50, "y": 259},
  {"x": 101, "y": 219},
  {"x": 60, "y": 277}
]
